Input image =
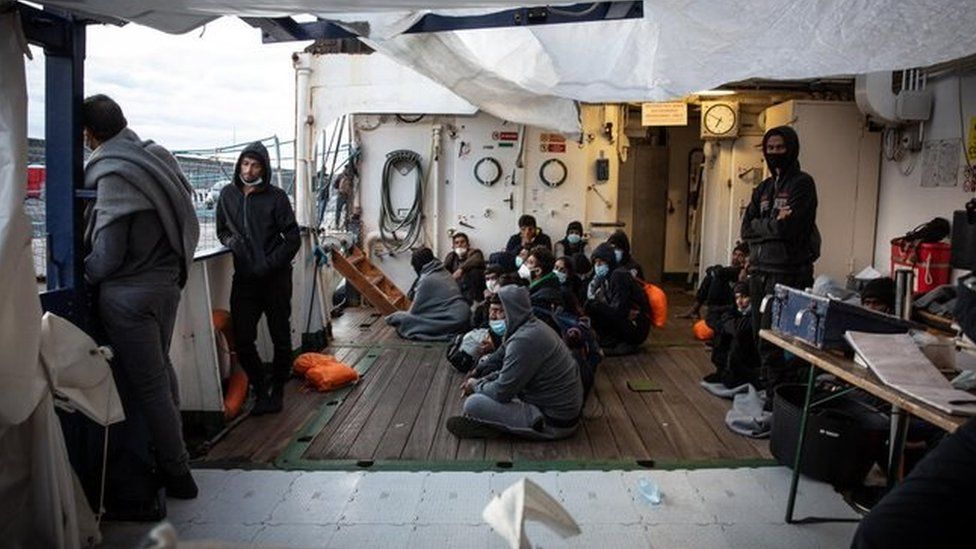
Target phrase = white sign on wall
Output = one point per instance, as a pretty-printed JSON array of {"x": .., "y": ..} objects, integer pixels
[{"x": 664, "y": 113}]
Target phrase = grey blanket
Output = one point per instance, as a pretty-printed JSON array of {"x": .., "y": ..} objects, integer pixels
[
  {"x": 438, "y": 312},
  {"x": 747, "y": 416},
  {"x": 140, "y": 175},
  {"x": 720, "y": 390}
]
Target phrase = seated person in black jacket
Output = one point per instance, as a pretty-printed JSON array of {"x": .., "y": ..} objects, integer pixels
[
  {"x": 617, "y": 305},
  {"x": 735, "y": 355},
  {"x": 879, "y": 295},
  {"x": 715, "y": 290},
  {"x": 570, "y": 281},
  {"x": 545, "y": 291},
  {"x": 467, "y": 266},
  {"x": 528, "y": 237},
  {"x": 621, "y": 253}
]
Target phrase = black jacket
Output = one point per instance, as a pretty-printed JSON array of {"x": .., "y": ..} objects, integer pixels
[
  {"x": 259, "y": 228},
  {"x": 515, "y": 242},
  {"x": 791, "y": 244}
]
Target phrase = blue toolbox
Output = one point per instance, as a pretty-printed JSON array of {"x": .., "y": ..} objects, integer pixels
[{"x": 822, "y": 321}]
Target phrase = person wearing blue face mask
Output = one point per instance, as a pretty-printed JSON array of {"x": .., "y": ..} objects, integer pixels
[
  {"x": 573, "y": 243},
  {"x": 569, "y": 280},
  {"x": 530, "y": 387},
  {"x": 617, "y": 305}
]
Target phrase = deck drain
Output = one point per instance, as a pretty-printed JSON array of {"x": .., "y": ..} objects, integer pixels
[
  {"x": 306, "y": 438},
  {"x": 364, "y": 463},
  {"x": 646, "y": 463},
  {"x": 503, "y": 464}
]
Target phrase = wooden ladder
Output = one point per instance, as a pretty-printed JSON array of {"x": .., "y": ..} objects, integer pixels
[{"x": 379, "y": 290}]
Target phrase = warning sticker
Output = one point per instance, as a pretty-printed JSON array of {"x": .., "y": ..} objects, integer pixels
[
  {"x": 971, "y": 144},
  {"x": 552, "y": 143},
  {"x": 507, "y": 136}
]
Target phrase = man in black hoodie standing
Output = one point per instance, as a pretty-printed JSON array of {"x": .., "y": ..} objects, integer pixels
[
  {"x": 256, "y": 221},
  {"x": 780, "y": 226}
]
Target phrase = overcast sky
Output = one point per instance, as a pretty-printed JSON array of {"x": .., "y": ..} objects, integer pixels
[{"x": 186, "y": 91}]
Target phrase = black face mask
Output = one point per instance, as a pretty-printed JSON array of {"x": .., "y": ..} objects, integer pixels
[{"x": 776, "y": 162}]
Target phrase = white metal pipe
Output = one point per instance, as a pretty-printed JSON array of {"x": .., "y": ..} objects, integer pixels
[
  {"x": 303, "y": 129},
  {"x": 435, "y": 180}
]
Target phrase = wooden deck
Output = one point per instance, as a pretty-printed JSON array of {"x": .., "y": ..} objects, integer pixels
[{"x": 398, "y": 411}]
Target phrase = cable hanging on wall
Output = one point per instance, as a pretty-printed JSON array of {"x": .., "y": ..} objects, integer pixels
[{"x": 403, "y": 161}]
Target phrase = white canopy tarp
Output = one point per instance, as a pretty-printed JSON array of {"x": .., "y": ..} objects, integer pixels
[{"x": 533, "y": 74}]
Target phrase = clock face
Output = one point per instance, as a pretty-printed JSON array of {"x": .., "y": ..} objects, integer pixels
[{"x": 719, "y": 119}]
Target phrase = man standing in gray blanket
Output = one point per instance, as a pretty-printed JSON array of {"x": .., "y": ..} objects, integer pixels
[
  {"x": 256, "y": 221},
  {"x": 141, "y": 232}
]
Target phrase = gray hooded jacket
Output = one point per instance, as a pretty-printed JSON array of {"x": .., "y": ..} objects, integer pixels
[{"x": 537, "y": 367}]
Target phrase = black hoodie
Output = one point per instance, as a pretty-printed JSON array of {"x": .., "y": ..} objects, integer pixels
[
  {"x": 791, "y": 244},
  {"x": 260, "y": 227}
]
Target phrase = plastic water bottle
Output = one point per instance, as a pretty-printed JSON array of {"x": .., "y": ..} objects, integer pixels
[{"x": 649, "y": 491}]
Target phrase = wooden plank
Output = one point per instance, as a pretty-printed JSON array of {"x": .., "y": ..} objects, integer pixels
[
  {"x": 400, "y": 427},
  {"x": 863, "y": 378},
  {"x": 388, "y": 402},
  {"x": 597, "y": 426},
  {"x": 645, "y": 419},
  {"x": 445, "y": 445},
  {"x": 625, "y": 436},
  {"x": 685, "y": 427},
  {"x": 338, "y": 434},
  {"x": 261, "y": 439},
  {"x": 709, "y": 407},
  {"x": 428, "y": 420}
]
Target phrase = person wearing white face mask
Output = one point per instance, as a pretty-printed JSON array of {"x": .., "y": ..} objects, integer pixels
[
  {"x": 544, "y": 286},
  {"x": 735, "y": 355},
  {"x": 256, "y": 221},
  {"x": 467, "y": 266}
]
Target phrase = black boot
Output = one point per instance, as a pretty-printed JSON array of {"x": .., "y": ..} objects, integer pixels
[
  {"x": 261, "y": 398},
  {"x": 180, "y": 486},
  {"x": 275, "y": 400}
]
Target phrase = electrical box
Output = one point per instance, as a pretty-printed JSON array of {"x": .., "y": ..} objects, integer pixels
[
  {"x": 913, "y": 105},
  {"x": 603, "y": 169}
]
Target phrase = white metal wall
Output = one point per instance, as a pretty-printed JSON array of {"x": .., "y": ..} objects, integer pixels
[{"x": 464, "y": 141}]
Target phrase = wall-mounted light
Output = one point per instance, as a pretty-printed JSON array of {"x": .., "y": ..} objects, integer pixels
[{"x": 715, "y": 93}]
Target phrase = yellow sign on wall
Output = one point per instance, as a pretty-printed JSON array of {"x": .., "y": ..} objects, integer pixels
[{"x": 971, "y": 144}]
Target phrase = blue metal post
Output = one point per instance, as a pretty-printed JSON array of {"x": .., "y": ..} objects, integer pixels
[{"x": 64, "y": 88}]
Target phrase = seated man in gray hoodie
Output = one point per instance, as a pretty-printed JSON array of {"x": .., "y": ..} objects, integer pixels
[{"x": 529, "y": 387}]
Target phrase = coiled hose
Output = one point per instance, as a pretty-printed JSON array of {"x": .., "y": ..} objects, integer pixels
[{"x": 403, "y": 161}]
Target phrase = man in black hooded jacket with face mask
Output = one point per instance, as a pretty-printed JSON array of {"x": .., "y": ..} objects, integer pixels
[
  {"x": 256, "y": 221},
  {"x": 780, "y": 226}
]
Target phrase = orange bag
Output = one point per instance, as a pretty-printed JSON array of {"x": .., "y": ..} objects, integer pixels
[
  {"x": 306, "y": 361},
  {"x": 659, "y": 304},
  {"x": 328, "y": 377},
  {"x": 702, "y": 331},
  {"x": 324, "y": 372}
]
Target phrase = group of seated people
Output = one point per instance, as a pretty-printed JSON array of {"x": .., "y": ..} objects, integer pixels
[
  {"x": 724, "y": 293},
  {"x": 535, "y": 324}
]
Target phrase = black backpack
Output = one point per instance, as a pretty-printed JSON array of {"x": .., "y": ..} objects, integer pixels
[{"x": 462, "y": 362}]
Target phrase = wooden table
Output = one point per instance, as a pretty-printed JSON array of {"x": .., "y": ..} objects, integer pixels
[{"x": 848, "y": 371}]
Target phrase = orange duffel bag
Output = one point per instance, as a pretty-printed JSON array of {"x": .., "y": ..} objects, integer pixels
[
  {"x": 658, "y": 300},
  {"x": 324, "y": 372}
]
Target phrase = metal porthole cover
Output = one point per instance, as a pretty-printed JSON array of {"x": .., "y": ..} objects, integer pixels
[{"x": 553, "y": 183}]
